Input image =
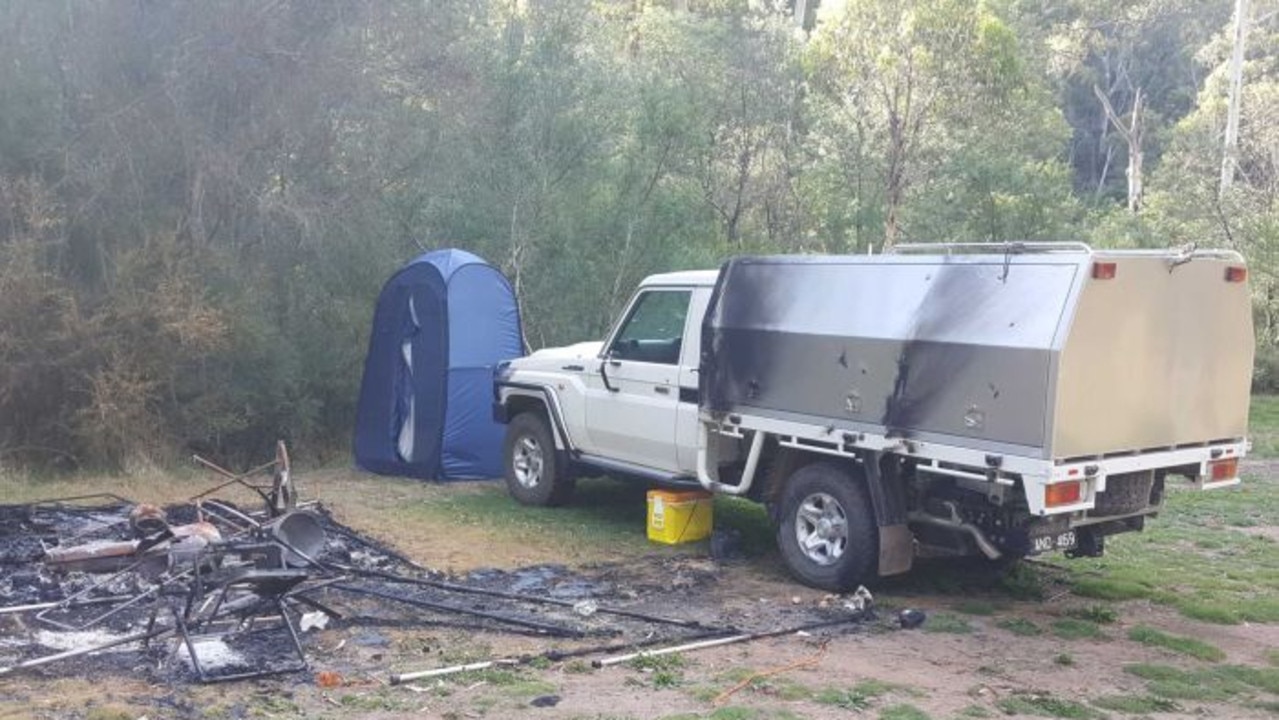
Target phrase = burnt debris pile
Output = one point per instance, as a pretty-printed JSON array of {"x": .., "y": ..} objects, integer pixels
[{"x": 209, "y": 590}]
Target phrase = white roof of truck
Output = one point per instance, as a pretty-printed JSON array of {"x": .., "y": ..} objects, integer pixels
[{"x": 684, "y": 278}]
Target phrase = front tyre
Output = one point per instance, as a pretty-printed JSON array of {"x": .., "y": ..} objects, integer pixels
[
  {"x": 533, "y": 474},
  {"x": 828, "y": 537}
]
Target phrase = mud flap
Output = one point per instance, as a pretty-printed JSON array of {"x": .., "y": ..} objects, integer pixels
[
  {"x": 896, "y": 542},
  {"x": 896, "y": 549}
]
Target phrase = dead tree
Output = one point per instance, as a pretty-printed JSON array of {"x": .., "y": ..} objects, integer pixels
[{"x": 1132, "y": 134}]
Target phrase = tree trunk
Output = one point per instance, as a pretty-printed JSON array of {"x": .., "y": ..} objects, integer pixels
[
  {"x": 1136, "y": 188},
  {"x": 1230, "y": 156}
]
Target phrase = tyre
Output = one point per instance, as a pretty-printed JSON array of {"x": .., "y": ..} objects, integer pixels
[
  {"x": 533, "y": 472},
  {"x": 827, "y": 534}
]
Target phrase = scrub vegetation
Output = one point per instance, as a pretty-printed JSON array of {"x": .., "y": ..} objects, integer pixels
[{"x": 199, "y": 201}]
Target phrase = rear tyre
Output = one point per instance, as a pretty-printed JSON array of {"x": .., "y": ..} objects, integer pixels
[
  {"x": 827, "y": 536},
  {"x": 533, "y": 472}
]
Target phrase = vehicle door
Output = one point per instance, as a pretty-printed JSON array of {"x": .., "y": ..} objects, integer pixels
[
  {"x": 687, "y": 419},
  {"x": 631, "y": 401}
]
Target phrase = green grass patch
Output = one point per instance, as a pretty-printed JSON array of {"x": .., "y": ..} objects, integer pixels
[
  {"x": 941, "y": 622},
  {"x": 1135, "y": 704},
  {"x": 1100, "y": 614},
  {"x": 975, "y": 711},
  {"x": 1263, "y": 426},
  {"x": 669, "y": 661},
  {"x": 1184, "y": 645},
  {"x": 1064, "y": 659},
  {"x": 774, "y": 686},
  {"x": 843, "y": 698},
  {"x": 1076, "y": 629},
  {"x": 983, "y": 608},
  {"x": 1272, "y": 657},
  {"x": 860, "y": 696},
  {"x": 902, "y": 712},
  {"x": 1020, "y": 626},
  {"x": 1044, "y": 705},
  {"x": 736, "y": 713},
  {"x": 1110, "y": 589},
  {"x": 1261, "y": 678},
  {"x": 664, "y": 671},
  {"x": 1022, "y": 582},
  {"x": 1218, "y": 683},
  {"x": 1192, "y": 557}
]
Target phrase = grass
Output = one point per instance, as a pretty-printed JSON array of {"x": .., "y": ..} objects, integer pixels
[
  {"x": 1076, "y": 629},
  {"x": 1020, "y": 626},
  {"x": 1135, "y": 704},
  {"x": 1272, "y": 657},
  {"x": 903, "y": 712},
  {"x": 1100, "y": 614},
  {"x": 861, "y": 696},
  {"x": 666, "y": 671},
  {"x": 845, "y": 699},
  {"x": 737, "y": 713},
  {"x": 1217, "y": 683},
  {"x": 1064, "y": 659},
  {"x": 983, "y": 608},
  {"x": 775, "y": 686},
  {"x": 1193, "y": 558},
  {"x": 1045, "y": 705},
  {"x": 1263, "y": 426},
  {"x": 1184, "y": 645},
  {"x": 941, "y": 622}
]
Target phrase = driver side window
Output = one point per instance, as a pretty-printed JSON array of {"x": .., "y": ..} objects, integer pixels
[{"x": 655, "y": 328}]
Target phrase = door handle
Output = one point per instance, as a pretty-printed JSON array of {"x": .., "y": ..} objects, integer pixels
[
  {"x": 573, "y": 368},
  {"x": 662, "y": 390},
  {"x": 604, "y": 376}
]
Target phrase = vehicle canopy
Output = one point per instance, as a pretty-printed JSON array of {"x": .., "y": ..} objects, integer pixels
[{"x": 1054, "y": 351}]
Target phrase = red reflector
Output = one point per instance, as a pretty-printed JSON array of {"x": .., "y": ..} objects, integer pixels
[
  {"x": 1063, "y": 493},
  {"x": 1103, "y": 271},
  {"x": 1220, "y": 470},
  {"x": 1236, "y": 274}
]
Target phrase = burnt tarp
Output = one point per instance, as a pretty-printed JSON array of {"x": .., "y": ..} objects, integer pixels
[
  {"x": 951, "y": 347},
  {"x": 441, "y": 325}
]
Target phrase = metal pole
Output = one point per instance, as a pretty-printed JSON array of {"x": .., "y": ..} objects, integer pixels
[
  {"x": 687, "y": 647},
  {"x": 545, "y": 628},
  {"x": 452, "y": 670},
  {"x": 12, "y": 609},
  {"x": 443, "y": 585},
  {"x": 83, "y": 651},
  {"x": 552, "y": 655}
]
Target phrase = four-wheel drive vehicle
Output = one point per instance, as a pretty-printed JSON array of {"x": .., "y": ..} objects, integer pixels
[{"x": 997, "y": 400}]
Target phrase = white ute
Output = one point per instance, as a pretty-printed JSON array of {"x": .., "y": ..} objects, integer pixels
[{"x": 993, "y": 400}]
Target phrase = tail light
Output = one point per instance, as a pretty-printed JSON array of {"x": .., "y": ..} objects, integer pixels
[
  {"x": 1236, "y": 274},
  {"x": 1222, "y": 470},
  {"x": 1063, "y": 493},
  {"x": 1103, "y": 271}
]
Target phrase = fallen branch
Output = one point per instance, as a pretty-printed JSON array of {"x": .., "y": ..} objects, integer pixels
[{"x": 746, "y": 682}]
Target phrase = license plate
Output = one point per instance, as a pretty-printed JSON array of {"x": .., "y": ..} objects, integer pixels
[{"x": 1060, "y": 541}]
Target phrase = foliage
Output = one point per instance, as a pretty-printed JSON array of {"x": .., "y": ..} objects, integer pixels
[{"x": 199, "y": 201}]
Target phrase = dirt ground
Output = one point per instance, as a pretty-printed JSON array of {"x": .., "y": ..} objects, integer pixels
[{"x": 975, "y": 655}]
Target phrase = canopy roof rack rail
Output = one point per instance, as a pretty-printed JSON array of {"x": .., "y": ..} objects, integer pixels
[
  {"x": 992, "y": 248},
  {"x": 1184, "y": 253}
]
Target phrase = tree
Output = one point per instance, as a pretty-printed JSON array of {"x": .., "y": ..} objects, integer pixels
[{"x": 902, "y": 73}]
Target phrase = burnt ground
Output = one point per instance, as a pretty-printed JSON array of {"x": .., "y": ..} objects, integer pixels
[{"x": 992, "y": 645}]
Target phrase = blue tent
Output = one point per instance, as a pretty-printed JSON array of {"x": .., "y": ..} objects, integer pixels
[{"x": 442, "y": 323}]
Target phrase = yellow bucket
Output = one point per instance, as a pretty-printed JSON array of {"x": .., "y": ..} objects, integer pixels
[{"x": 679, "y": 517}]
